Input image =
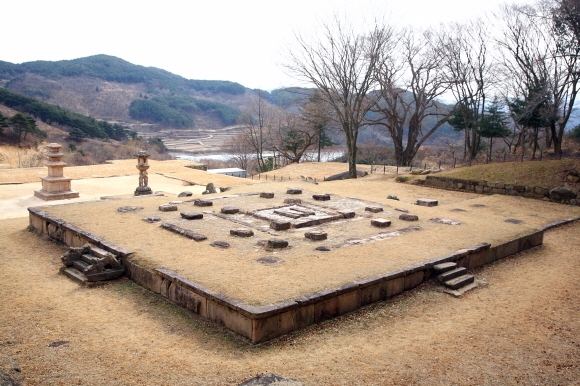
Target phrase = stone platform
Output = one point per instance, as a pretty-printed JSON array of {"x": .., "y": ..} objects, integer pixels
[
  {"x": 55, "y": 186},
  {"x": 253, "y": 258}
]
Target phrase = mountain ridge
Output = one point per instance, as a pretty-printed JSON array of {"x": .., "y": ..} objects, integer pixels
[{"x": 105, "y": 86}]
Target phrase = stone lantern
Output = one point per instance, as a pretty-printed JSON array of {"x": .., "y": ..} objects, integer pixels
[
  {"x": 55, "y": 186},
  {"x": 142, "y": 165}
]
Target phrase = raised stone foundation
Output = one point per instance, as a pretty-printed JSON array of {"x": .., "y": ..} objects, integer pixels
[
  {"x": 261, "y": 323},
  {"x": 485, "y": 187}
]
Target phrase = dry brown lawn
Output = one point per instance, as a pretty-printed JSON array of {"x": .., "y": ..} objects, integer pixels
[
  {"x": 547, "y": 173},
  {"x": 523, "y": 328},
  {"x": 234, "y": 272},
  {"x": 174, "y": 168},
  {"x": 321, "y": 170}
]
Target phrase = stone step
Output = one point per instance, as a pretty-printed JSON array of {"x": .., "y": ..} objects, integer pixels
[
  {"x": 448, "y": 275},
  {"x": 444, "y": 267},
  {"x": 459, "y": 282},
  {"x": 99, "y": 252},
  {"x": 108, "y": 274},
  {"x": 80, "y": 265},
  {"x": 89, "y": 259},
  {"x": 459, "y": 292},
  {"x": 74, "y": 274}
]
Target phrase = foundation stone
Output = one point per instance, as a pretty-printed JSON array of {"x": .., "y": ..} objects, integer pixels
[
  {"x": 408, "y": 217},
  {"x": 192, "y": 215},
  {"x": 168, "y": 207},
  {"x": 277, "y": 243},
  {"x": 381, "y": 223},
  {"x": 242, "y": 232},
  {"x": 316, "y": 235},
  {"x": 427, "y": 202},
  {"x": 230, "y": 210}
]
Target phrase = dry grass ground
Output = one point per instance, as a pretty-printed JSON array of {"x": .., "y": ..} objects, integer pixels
[
  {"x": 173, "y": 168},
  {"x": 546, "y": 174},
  {"x": 320, "y": 170},
  {"x": 14, "y": 157},
  {"x": 522, "y": 328},
  {"x": 234, "y": 272}
]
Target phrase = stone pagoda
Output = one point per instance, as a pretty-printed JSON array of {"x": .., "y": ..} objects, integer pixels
[
  {"x": 55, "y": 186},
  {"x": 142, "y": 166}
]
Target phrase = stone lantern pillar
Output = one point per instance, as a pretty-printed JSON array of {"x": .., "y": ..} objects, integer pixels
[
  {"x": 142, "y": 165},
  {"x": 56, "y": 186}
]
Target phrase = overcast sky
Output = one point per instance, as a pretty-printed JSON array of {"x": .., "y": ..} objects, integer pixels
[{"x": 241, "y": 41}]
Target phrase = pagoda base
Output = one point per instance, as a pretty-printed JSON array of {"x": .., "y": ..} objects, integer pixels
[
  {"x": 48, "y": 196},
  {"x": 143, "y": 190}
]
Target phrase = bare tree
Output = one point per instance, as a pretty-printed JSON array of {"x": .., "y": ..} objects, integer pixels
[
  {"x": 466, "y": 62},
  {"x": 317, "y": 115},
  {"x": 566, "y": 14},
  {"x": 341, "y": 64},
  {"x": 373, "y": 152},
  {"x": 293, "y": 136},
  {"x": 452, "y": 143},
  {"x": 258, "y": 119},
  {"x": 540, "y": 56},
  {"x": 241, "y": 152},
  {"x": 409, "y": 85}
]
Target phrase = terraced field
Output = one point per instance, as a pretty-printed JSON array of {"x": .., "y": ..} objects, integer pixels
[{"x": 194, "y": 141}]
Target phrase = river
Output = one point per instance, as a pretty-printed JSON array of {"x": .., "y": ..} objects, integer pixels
[{"x": 325, "y": 156}]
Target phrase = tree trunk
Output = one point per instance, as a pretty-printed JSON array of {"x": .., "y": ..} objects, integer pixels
[
  {"x": 557, "y": 139},
  {"x": 535, "y": 142},
  {"x": 473, "y": 146},
  {"x": 319, "y": 143},
  {"x": 549, "y": 137},
  {"x": 352, "y": 150},
  {"x": 352, "y": 163}
]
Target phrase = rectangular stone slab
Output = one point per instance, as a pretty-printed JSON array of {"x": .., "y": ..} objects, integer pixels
[
  {"x": 427, "y": 202},
  {"x": 183, "y": 232},
  {"x": 288, "y": 213}
]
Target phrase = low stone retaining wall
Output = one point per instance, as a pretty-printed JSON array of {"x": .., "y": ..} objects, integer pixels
[
  {"x": 484, "y": 187},
  {"x": 261, "y": 323}
]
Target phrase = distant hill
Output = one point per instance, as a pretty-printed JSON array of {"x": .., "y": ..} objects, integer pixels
[
  {"x": 151, "y": 99},
  {"x": 112, "y": 69},
  {"x": 105, "y": 87},
  {"x": 66, "y": 119}
]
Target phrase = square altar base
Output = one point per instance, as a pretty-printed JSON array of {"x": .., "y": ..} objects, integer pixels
[{"x": 48, "y": 196}]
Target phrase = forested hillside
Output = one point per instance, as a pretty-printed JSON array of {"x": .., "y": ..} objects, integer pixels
[
  {"x": 110, "y": 88},
  {"x": 52, "y": 114},
  {"x": 114, "y": 69},
  {"x": 107, "y": 97},
  {"x": 176, "y": 110}
]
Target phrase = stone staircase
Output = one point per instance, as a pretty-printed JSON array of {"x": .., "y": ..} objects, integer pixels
[
  {"x": 90, "y": 265},
  {"x": 456, "y": 279}
]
